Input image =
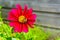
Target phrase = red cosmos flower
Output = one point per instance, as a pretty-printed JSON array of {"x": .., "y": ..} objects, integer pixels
[{"x": 21, "y": 19}]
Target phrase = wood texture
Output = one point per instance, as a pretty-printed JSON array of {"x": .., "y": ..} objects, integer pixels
[
  {"x": 42, "y": 5},
  {"x": 46, "y": 19}
]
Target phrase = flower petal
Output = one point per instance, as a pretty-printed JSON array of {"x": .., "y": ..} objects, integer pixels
[
  {"x": 30, "y": 11},
  {"x": 31, "y": 20},
  {"x": 25, "y": 28},
  {"x": 11, "y": 17},
  {"x": 25, "y": 9},
  {"x": 32, "y": 17},
  {"x": 17, "y": 26},
  {"x": 15, "y": 12},
  {"x": 31, "y": 23},
  {"x": 12, "y": 24},
  {"x": 18, "y": 6}
]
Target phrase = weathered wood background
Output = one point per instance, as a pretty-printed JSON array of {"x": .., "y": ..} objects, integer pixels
[{"x": 48, "y": 13}]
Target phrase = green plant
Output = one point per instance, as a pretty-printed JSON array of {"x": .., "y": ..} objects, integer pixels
[
  {"x": 33, "y": 34},
  {"x": 57, "y": 38}
]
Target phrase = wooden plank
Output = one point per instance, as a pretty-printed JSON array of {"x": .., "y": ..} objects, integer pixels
[
  {"x": 47, "y": 5},
  {"x": 33, "y": 10},
  {"x": 46, "y": 19},
  {"x": 51, "y": 20}
]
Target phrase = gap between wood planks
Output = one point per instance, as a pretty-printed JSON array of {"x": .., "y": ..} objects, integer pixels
[
  {"x": 38, "y": 25},
  {"x": 34, "y": 10}
]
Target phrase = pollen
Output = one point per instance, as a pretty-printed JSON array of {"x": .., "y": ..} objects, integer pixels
[{"x": 22, "y": 19}]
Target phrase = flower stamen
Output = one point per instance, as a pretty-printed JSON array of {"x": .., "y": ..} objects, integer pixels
[{"x": 22, "y": 19}]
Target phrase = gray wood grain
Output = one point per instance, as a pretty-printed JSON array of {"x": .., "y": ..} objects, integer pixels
[
  {"x": 42, "y": 5},
  {"x": 52, "y": 20},
  {"x": 46, "y": 19}
]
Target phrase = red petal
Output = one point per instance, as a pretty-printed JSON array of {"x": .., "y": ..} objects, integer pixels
[
  {"x": 30, "y": 11},
  {"x": 15, "y": 12},
  {"x": 25, "y": 28},
  {"x": 32, "y": 17},
  {"x": 12, "y": 24},
  {"x": 31, "y": 20},
  {"x": 31, "y": 26},
  {"x": 11, "y": 17},
  {"x": 18, "y": 6},
  {"x": 31, "y": 23},
  {"x": 25, "y": 10},
  {"x": 17, "y": 26},
  {"x": 19, "y": 9}
]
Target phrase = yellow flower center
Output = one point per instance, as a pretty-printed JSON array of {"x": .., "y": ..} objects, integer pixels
[{"x": 22, "y": 19}]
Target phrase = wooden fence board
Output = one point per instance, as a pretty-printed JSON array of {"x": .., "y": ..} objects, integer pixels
[
  {"x": 46, "y": 19},
  {"x": 42, "y": 5}
]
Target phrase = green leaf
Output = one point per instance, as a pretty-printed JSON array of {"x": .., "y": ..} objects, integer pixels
[
  {"x": 7, "y": 29},
  {"x": 15, "y": 39},
  {"x": 0, "y": 16},
  {"x": 58, "y": 38},
  {"x": 9, "y": 38},
  {"x": 36, "y": 34},
  {"x": 0, "y": 7},
  {"x": 2, "y": 38}
]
